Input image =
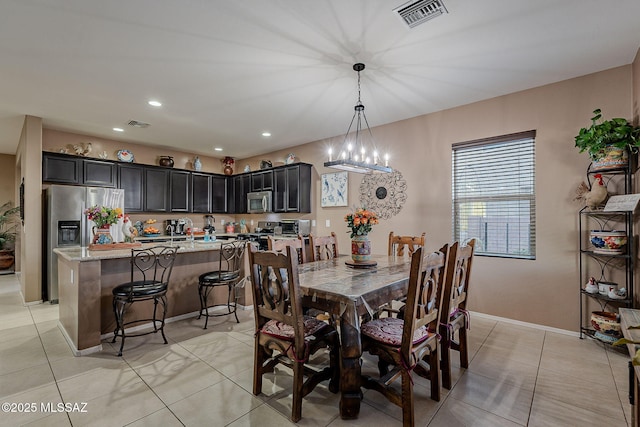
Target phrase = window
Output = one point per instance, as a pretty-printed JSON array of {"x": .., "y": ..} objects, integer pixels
[{"x": 494, "y": 195}]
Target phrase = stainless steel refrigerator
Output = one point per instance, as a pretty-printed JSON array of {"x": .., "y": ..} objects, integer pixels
[{"x": 66, "y": 225}]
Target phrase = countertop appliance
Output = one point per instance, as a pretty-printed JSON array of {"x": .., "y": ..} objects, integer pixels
[
  {"x": 296, "y": 226},
  {"x": 179, "y": 226},
  {"x": 66, "y": 225},
  {"x": 259, "y": 202},
  {"x": 263, "y": 229}
]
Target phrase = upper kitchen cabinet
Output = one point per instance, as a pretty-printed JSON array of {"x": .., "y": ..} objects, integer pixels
[
  {"x": 61, "y": 168},
  {"x": 201, "y": 192},
  {"x": 98, "y": 173},
  {"x": 239, "y": 186},
  {"x": 292, "y": 188},
  {"x": 156, "y": 190},
  {"x": 262, "y": 181},
  {"x": 131, "y": 179},
  {"x": 180, "y": 184},
  {"x": 219, "y": 196}
]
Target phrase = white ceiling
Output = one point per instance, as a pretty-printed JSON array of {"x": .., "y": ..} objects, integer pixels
[{"x": 228, "y": 70}]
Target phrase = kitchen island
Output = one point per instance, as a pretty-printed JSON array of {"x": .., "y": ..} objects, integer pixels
[{"x": 86, "y": 279}]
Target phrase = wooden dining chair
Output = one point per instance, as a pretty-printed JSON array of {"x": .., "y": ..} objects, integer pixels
[
  {"x": 409, "y": 344},
  {"x": 398, "y": 244},
  {"x": 283, "y": 334},
  {"x": 280, "y": 245},
  {"x": 324, "y": 247},
  {"x": 454, "y": 316}
]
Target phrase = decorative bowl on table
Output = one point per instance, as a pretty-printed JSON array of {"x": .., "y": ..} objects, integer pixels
[
  {"x": 610, "y": 242},
  {"x": 606, "y": 323}
]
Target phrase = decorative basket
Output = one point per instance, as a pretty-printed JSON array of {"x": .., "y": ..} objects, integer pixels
[{"x": 606, "y": 323}]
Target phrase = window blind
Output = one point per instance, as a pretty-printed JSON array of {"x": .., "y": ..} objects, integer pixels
[{"x": 494, "y": 195}]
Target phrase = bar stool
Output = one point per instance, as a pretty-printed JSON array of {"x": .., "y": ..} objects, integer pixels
[
  {"x": 154, "y": 265},
  {"x": 228, "y": 274}
]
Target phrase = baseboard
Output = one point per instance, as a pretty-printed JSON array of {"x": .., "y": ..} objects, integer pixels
[
  {"x": 74, "y": 350},
  {"x": 527, "y": 324}
]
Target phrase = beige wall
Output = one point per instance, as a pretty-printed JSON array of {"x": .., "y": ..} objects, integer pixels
[
  {"x": 7, "y": 179},
  {"x": 543, "y": 291}
]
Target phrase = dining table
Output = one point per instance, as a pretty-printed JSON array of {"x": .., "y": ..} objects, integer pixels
[{"x": 349, "y": 294}]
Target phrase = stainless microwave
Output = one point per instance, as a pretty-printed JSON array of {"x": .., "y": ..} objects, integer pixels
[{"x": 259, "y": 202}]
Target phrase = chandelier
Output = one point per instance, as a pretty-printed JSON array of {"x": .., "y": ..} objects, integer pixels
[{"x": 356, "y": 155}]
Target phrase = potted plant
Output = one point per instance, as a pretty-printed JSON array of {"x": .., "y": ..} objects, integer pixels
[
  {"x": 608, "y": 142},
  {"x": 8, "y": 229}
]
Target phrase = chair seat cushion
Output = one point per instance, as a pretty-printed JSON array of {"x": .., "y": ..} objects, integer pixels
[
  {"x": 140, "y": 289},
  {"x": 388, "y": 330},
  {"x": 213, "y": 277},
  {"x": 283, "y": 331}
]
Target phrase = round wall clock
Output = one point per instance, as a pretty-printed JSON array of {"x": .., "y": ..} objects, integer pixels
[{"x": 383, "y": 193}]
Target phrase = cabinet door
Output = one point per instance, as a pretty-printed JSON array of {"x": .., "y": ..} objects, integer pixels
[
  {"x": 219, "y": 194},
  {"x": 97, "y": 173},
  {"x": 180, "y": 191},
  {"x": 201, "y": 192},
  {"x": 280, "y": 190},
  {"x": 262, "y": 181},
  {"x": 130, "y": 179},
  {"x": 156, "y": 190},
  {"x": 299, "y": 188},
  {"x": 241, "y": 186},
  {"x": 61, "y": 169}
]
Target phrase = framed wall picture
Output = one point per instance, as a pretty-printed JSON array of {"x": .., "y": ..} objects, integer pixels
[{"x": 335, "y": 187}]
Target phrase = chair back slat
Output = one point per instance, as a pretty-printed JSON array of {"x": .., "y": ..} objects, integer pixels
[
  {"x": 460, "y": 259},
  {"x": 424, "y": 295},
  {"x": 276, "y": 290},
  {"x": 398, "y": 244},
  {"x": 232, "y": 256},
  {"x": 324, "y": 247},
  {"x": 280, "y": 245},
  {"x": 153, "y": 264}
]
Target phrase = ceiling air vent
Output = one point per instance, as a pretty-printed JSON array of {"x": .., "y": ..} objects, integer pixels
[
  {"x": 138, "y": 124},
  {"x": 417, "y": 12}
]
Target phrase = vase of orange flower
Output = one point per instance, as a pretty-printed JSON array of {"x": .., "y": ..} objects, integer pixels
[
  {"x": 360, "y": 224},
  {"x": 103, "y": 218}
]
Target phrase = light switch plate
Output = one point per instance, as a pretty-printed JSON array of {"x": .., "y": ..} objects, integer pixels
[
  {"x": 328, "y": 223},
  {"x": 313, "y": 222}
]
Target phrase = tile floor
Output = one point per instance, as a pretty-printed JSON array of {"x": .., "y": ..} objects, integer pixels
[{"x": 518, "y": 376}]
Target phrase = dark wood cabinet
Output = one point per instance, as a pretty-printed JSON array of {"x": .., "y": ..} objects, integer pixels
[
  {"x": 180, "y": 191},
  {"x": 99, "y": 173},
  {"x": 241, "y": 185},
  {"x": 200, "y": 192},
  {"x": 131, "y": 180},
  {"x": 262, "y": 181},
  {"x": 292, "y": 189},
  {"x": 156, "y": 190},
  {"x": 219, "y": 197},
  {"x": 61, "y": 168},
  {"x": 151, "y": 188}
]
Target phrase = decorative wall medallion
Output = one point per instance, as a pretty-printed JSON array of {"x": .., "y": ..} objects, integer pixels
[
  {"x": 383, "y": 193},
  {"x": 334, "y": 189}
]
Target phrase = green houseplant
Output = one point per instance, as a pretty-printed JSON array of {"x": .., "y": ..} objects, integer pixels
[
  {"x": 8, "y": 230},
  {"x": 608, "y": 139}
]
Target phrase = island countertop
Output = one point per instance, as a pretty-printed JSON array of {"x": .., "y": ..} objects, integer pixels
[
  {"x": 83, "y": 254},
  {"x": 87, "y": 278}
]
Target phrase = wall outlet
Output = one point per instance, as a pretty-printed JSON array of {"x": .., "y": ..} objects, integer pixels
[
  {"x": 313, "y": 224},
  {"x": 222, "y": 222},
  {"x": 328, "y": 223}
]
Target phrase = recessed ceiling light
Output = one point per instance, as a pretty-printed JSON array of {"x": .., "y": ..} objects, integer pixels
[
  {"x": 118, "y": 129},
  {"x": 155, "y": 103},
  {"x": 266, "y": 133},
  {"x": 218, "y": 149}
]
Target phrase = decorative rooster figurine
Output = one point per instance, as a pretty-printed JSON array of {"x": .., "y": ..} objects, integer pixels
[
  {"x": 594, "y": 197},
  {"x": 129, "y": 231}
]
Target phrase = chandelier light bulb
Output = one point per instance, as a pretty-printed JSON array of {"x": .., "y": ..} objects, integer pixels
[
  {"x": 330, "y": 159},
  {"x": 386, "y": 160},
  {"x": 375, "y": 157}
]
